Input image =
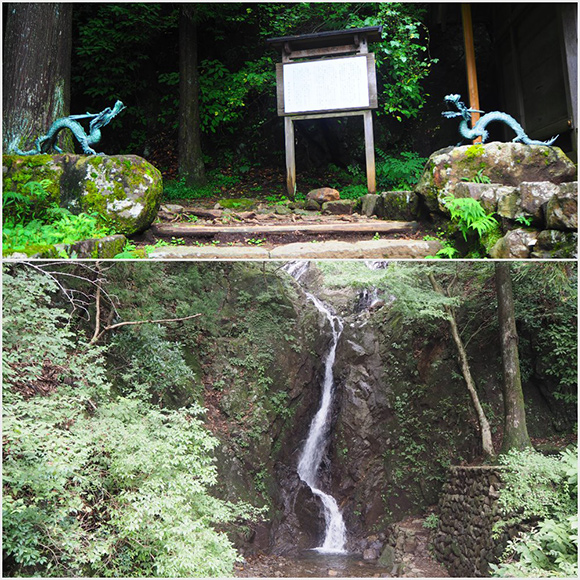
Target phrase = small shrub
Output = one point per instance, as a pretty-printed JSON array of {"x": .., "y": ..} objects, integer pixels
[
  {"x": 402, "y": 172},
  {"x": 540, "y": 492}
]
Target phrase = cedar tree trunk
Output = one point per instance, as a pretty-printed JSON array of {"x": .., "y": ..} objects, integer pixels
[
  {"x": 486, "y": 440},
  {"x": 191, "y": 166},
  {"x": 36, "y": 71},
  {"x": 515, "y": 434}
]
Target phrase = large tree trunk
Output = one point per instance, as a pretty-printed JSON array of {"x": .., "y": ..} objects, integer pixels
[
  {"x": 36, "y": 70},
  {"x": 515, "y": 434},
  {"x": 486, "y": 440},
  {"x": 191, "y": 166}
]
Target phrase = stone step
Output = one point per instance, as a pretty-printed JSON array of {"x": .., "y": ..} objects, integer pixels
[
  {"x": 372, "y": 249},
  {"x": 194, "y": 230}
]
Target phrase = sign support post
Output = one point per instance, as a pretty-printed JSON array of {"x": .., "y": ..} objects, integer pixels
[{"x": 312, "y": 86}]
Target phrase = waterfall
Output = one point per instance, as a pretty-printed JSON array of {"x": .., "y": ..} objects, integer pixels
[{"x": 315, "y": 446}]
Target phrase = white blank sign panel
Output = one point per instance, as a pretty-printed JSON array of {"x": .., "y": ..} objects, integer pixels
[{"x": 326, "y": 85}]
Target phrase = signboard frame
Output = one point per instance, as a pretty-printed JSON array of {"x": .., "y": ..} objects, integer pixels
[{"x": 311, "y": 51}]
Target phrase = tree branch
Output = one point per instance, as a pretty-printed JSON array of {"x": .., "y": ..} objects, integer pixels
[{"x": 136, "y": 322}]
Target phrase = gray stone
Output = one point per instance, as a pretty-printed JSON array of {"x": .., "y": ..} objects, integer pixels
[
  {"x": 282, "y": 210},
  {"x": 400, "y": 205},
  {"x": 486, "y": 193},
  {"x": 312, "y": 205},
  {"x": 338, "y": 207},
  {"x": 372, "y": 204},
  {"x": 209, "y": 253},
  {"x": 556, "y": 244},
  {"x": 562, "y": 209},
  {"x": 387, "y": 558},
  {"x": 125, "y": 189},
  {"x": 509, "y": 203},
  {"x": 172, "y": 208},
  {"x": 518, "y": 243},
  {"x": 535, "y": 194}
]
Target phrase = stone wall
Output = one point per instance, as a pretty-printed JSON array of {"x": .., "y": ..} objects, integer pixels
[{"x": 468, "y": 509}]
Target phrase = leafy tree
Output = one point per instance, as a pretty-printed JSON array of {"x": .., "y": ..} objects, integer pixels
[{"x": 36, "y": 70}]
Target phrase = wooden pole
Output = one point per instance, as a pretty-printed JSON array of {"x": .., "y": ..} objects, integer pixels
[
  {"x": 470, "y": 62},
  {"x": 370, "y": 152},
  {"x": 290, "y": 157}
]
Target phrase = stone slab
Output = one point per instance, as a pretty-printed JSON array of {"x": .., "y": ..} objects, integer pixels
[{"x": 209, "y": 253}]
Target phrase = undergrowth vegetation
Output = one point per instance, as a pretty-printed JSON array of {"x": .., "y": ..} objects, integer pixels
[
  {"x": 541, "y": 493},
  {"x": 32, "y": 222},
  {"x": 98, "y": 480}
]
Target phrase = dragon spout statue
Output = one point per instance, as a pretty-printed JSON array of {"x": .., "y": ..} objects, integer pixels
[
  {"x": 479, "y": 129},
  {"x": 45, "y": 143}
]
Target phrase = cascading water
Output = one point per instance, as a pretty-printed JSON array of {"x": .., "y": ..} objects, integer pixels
[{"x": 315, "y": 446}]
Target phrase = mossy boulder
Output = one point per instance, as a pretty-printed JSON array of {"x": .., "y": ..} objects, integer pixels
[
  {"x": 500, "y": 163},
  {"x": 124, "y": 189}
]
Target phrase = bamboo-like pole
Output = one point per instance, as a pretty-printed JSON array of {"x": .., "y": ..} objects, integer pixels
[{"x": 470, "y": 62}]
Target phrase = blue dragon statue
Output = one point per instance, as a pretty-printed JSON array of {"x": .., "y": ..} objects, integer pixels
[
  {"x": 478, "y": 130},
  {"x": 45, "y": 143}
]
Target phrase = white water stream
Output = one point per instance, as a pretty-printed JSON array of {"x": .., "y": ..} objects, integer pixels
[{"x": 314, "y": 448}]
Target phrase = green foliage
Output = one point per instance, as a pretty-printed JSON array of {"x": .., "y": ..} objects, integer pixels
[
  {"x": 95, "y": 485},
  {"x": 431, "y": 522},
  {"x": 403, "y": 60},
  {"x": 399, "y": 172},
  {"x": 32, "y": 222},
  {"x": 415, "y": 297},
  {"x": 176, "y": 189},
  {"x": 547, "y": 310},
  {"x": 353, "y": 191},
  {"x": 470, "y": 216},
  {"x": 542, "y": 491}
]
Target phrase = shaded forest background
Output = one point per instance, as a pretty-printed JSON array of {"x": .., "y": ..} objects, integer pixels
[{"x": 131, "y": 52}]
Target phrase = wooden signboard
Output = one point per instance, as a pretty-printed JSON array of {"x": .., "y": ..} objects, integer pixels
[
  {"x": 337, "y": 84},
  {"x": 329, "y": 74}
]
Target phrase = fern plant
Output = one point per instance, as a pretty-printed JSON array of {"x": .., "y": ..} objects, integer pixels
[
  {"x": 470, "y": 216},
  {"x": 401, "y": 172}
]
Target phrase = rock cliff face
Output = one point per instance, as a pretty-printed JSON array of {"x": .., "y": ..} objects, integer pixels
[{"x": 401, "y": 411}]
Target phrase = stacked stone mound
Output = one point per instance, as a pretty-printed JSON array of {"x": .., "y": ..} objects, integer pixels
[
  {"x": 468, "y": 509},
  {"x": 531, "y": 189}
]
